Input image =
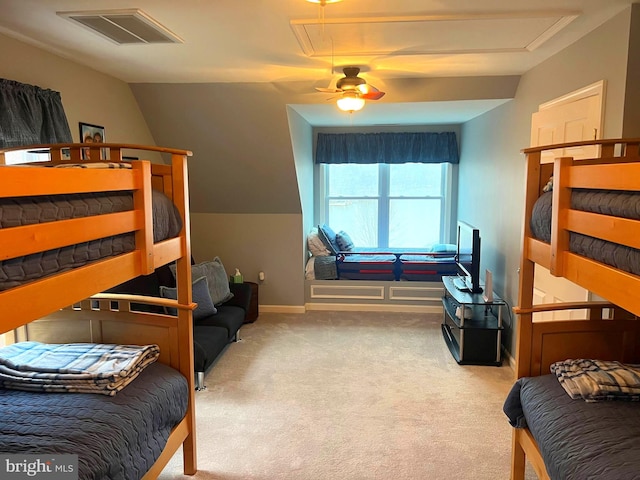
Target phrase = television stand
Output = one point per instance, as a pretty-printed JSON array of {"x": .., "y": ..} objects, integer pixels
[
  {"x": 472, "y": 328},
  {"x": 460, "y": 284}
]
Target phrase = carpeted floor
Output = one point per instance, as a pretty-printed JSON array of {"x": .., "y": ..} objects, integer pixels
[{"x": 349, "y": 395}]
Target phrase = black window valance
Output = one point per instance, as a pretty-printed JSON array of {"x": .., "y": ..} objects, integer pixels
[
  {"x": 31, "y": 115},
  {"x": 420, "y": 147}
]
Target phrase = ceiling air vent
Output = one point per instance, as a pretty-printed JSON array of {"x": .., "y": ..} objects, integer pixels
[{"x": 124, "y": 27}]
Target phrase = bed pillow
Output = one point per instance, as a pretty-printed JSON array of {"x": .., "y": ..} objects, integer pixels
[
  {"x": 315, "y": 245},
  {"x": 444, "y": 248},
  {"x": 344, "y": 241},
  {"x": 217, "y": 279},
  {"x": 199, "y": 294},
  {"x": 328, "y": 237}
]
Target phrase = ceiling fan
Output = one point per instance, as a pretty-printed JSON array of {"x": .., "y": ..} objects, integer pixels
[{"x": 353, "y": 90}]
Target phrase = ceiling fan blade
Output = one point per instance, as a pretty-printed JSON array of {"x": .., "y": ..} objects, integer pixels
[
  {"x": 373, "y": 95},
  {"x": 328, "y": 90}
]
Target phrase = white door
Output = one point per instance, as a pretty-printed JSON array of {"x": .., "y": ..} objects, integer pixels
[{"x": 570, "y": 118}]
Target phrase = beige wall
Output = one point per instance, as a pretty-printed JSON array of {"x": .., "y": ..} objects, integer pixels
[
  {"x": 254, "y": 243},
  {"x": 492, "y": 168},
  {"x": 631, "y": 122},
  {"x": 87, "y": 95}
]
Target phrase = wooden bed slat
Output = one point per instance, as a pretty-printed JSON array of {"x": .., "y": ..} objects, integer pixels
[
  {"x": 606, "y": 227},
  {"x": 58, "y": 181},
  {"x": 616, "y": 286},
  {"x": 614, "y": 176},
  {"x": 25, "y": 240}
]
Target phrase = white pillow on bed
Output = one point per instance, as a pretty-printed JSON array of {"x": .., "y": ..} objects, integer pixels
[{"x": 315, "y": 244}]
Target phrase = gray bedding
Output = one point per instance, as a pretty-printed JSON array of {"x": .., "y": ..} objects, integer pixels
[
  {"x": 167, "y": 223},
  {"x": 578, "y": 440},
  {"x": 619, "y": 204},
  {"x": 115, "y": 438},
  {"x": 325, "y": 268}
]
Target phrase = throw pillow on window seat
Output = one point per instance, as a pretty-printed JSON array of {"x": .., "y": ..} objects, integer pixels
[
  {"x": 444, "y": 248},
  {"x": 328, "y": 237},
  {"x": 315, "y": 245},
  {"x": 217, "y": 279},
  {"x": 344, "y": 241},
  {"x": 199, "y": 294}
]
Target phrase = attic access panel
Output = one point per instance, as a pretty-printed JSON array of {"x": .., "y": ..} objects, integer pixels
[
  {"x": 432, "y": 34},
  {"x": 123, "y": 27}
]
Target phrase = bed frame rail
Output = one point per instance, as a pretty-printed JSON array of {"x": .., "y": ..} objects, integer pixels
[
  {"x": 608, "y": 333},
  {"x": 40, "y": 297},
  {"x": 617, "y": 168}
]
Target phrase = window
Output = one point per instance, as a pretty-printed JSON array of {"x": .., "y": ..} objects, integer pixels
[
  {"x": 389, "y": 206},
  {"x": 16, "y": 157}
]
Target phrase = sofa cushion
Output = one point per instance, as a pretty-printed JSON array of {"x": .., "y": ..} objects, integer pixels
[
  {"x": 208, "y": 343},
  {"x": 229, "y": 317},
  {"x": 217, "y": 279},
  {"x": 199, "y": 294}
]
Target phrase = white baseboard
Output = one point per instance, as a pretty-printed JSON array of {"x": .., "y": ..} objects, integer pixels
[
  {"x": 510, "y": 360},
  {"x": 281, "y": 308},
  {"x": 363, "y": 307}
]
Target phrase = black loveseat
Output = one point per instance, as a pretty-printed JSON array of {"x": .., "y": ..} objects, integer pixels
[{"x": 212, "y": 334}]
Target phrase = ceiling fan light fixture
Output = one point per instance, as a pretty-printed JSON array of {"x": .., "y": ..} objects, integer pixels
[
  {"x": 350, "y": 102},
  {"x": 323, "y": 2}
]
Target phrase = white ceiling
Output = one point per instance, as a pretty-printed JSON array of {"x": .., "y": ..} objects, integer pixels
[{"x": 283, "y": 41}]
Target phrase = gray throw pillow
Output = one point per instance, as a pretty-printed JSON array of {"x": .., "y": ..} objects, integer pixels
[
  {"x": 199, "y": 294},
  {"x": 217, "y": 279}
]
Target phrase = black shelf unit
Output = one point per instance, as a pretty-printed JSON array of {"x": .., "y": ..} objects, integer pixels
[{"x": 475, "y": 340}]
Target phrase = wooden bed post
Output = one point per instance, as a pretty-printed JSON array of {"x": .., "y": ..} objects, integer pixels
[
  {"x": 525, "y": 290},
  {"x": 142, "y": 200},
  {"x": 561, "y": 204},
  {"x": 185, "y": 318}
]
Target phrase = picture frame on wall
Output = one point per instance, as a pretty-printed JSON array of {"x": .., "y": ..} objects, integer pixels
[{"x": 90, "y": 133}]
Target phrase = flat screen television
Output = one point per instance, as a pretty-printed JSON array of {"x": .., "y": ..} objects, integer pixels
[{"x": 468, "y": 258}]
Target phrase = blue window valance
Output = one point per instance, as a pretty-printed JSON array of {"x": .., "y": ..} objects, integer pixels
[
  {"x": 419, "y": 147},
  {"x": 30, "y": 115}
]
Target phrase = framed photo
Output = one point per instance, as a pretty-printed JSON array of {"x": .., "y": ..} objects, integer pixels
[{"x": 91, "y": 134}]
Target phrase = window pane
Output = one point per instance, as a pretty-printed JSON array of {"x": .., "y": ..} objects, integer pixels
[
  {"x": 351, "y": 180},
  {"x": 415, "y": 180},
  {"x": 359, "y": 218},
  {"x": 414, "y": 223}
]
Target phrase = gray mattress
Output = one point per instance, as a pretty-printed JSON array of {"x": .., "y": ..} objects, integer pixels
[
  {"x": 577, "y": 440},
  {"x": 619, "y": 204},
  {"x": 167, "y": 223},
  {"x": 116, "y": 437}
]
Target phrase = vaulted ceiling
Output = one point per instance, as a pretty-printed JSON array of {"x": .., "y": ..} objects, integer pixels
[{"x": 295, "y": 45}]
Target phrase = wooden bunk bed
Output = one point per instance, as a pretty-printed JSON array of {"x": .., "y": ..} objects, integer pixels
[
  {"x": 599, "y": 443},
  {"x": 36, "y": 309}
]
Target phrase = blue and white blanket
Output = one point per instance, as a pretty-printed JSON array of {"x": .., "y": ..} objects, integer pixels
[
  {"x": 73, "y": 367},
  {"x": 596, "y": 380}
]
